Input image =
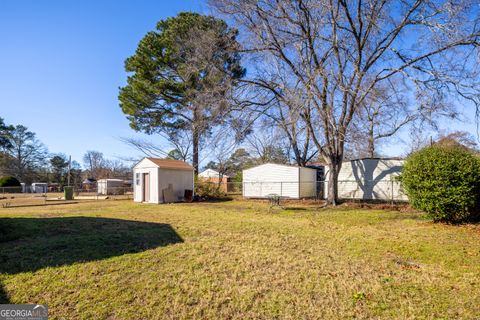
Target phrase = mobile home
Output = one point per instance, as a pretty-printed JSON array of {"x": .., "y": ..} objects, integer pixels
[{"x": 370, "y": 179}]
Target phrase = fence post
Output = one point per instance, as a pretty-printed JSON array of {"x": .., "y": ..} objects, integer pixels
[
  {"x": 392, "y": 193},
  {"x": 281, "y": 189}
]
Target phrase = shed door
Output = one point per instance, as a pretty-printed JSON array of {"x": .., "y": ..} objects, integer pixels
[{"x": 146, "y": 187}]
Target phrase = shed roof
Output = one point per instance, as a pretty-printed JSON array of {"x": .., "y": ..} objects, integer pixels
[{"x": 171, "y": 164}]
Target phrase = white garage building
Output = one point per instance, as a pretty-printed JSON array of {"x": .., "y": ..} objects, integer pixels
[
  {"x": 370, "y": 179},
  {"x": 161, "y": 180},
  {"x": 283, "y": 180}
]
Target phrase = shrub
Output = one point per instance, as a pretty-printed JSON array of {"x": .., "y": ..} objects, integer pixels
[
  {"x": 9, "y": 182},
  {"x": 208, "y": 189},
  {"x": 443, "y": 181}
]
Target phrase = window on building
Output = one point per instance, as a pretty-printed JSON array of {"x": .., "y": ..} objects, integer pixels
[{"x": 137, "y": 179}]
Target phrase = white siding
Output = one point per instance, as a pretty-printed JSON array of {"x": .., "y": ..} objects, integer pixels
[
  {"x": 287, "y": 181},
  {"x": 266, "y": 179},
  {"x": 308, "y": 183},
  {"x": 145, "y": 166},
  {"x": 180, "y": 180},
  {"x": 39, "y": 187},
  {"x": 160, "y": 178},
  {"x": 109, "y": 186},
  {"x": 370, "y": 179}
]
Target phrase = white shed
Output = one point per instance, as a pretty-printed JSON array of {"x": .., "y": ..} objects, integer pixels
[
  {"x": 370, "y": 179},
  {"x": 160, "y": 180},
  {"x": 110, "y": 186},
  {"x": 287, "y": 181},
  {"x": 39, "y": 187}
]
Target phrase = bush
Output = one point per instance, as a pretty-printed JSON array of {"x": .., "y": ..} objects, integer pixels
[
  {"x": 9, "y": 182},
  {"x": 443, "y": 181},
  {"x": 208, "y": 190}
]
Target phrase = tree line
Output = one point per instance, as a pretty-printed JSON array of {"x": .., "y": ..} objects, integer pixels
[
  {"x": 26, "y": 158},
  {"x": 325, "y": 79}
]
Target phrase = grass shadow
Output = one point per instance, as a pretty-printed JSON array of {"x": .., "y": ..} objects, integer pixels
[
  {"x": 16, "y": 206},
  {"x": 214, "y": 200},
  {"x": 30, "y": 244},
  {"x": 294, "y": 208}
]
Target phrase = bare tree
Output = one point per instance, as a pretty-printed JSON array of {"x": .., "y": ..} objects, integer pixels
[
  {"x": 382, "y": 114},
  {"x": 221, "y": 146},
  {"x": 341, "y": 51},
  {"x": 456, "y": 138},
  {"x": 116, "y": 169},
  {"x": 268, "y": 145},
  {"x": 94, "y": 163},
  {"x": 177, "y": 140}
]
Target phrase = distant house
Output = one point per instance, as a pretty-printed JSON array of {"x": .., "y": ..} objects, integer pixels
[
  {"x": 370, "y": 179},
  {"x": 213, "y": 176},
  {"x": 283, "y": 180},
  {"x": 89, "y": 183},
  {"x": 161, "y": 180}
]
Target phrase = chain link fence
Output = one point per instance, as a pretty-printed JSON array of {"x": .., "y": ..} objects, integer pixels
[
  {"x": 18, "y": 196},
  {"x": 382, "y": 190},
  {"x": 365, "y": 190}
]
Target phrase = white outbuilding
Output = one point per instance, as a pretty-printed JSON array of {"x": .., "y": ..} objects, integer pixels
[
  {"x": 161, "y": 180},
  {"x": 110, "y": 186},
  {"x": 212, "y": 174},
  {"x": 370, "y": 179},
  {"x": 39, "y": 187},
  {"x": 277, "y": 179}
]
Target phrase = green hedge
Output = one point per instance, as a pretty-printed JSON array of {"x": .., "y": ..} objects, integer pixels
[
  {"x": 9, "y": 182},
  {"x": 444, "y": 182}
]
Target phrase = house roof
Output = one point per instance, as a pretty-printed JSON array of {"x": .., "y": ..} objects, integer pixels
[
  {"x": 171, "y": 164},
  {"x": 210, "y": 173}
]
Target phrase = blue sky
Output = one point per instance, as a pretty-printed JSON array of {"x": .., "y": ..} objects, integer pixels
[
  {"x": 61, "y": 65},
  {"x": 62, "y": 62}
]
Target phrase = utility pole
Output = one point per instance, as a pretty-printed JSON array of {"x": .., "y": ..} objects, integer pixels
[{"x": 69, "y": 168}]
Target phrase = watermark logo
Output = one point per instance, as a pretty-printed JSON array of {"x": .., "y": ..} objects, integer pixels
[{"x": 23, "y": 312}]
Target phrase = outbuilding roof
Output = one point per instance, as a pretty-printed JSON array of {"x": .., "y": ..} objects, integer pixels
[
  {"x": 171, "y": 164},
  {"x": 210, "y": 173},
  {"x": 277, "y": 164}
]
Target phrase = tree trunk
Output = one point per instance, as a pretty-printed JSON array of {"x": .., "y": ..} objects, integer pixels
[
  {"x": 371, "y": 141},
  {"x": 195, "y": 143},
  {"x": 334, "y": 166}
]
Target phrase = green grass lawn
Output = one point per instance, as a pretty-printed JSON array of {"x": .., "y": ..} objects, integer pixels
[{"x": 237, "y": 260}]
